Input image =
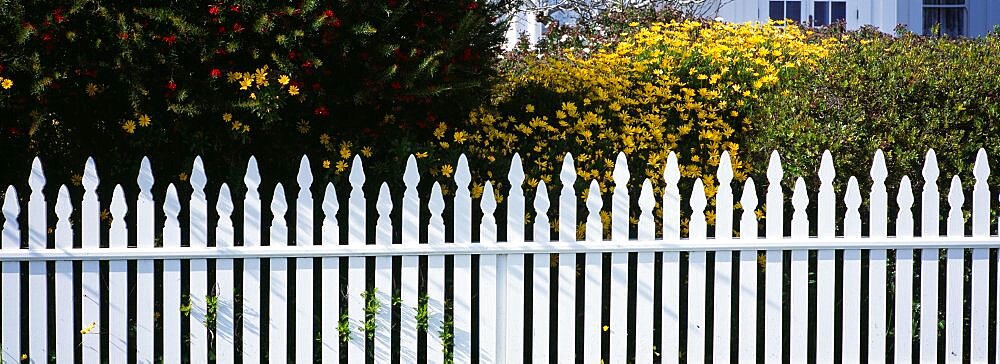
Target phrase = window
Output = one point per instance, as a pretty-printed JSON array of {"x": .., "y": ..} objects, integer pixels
[
  {"x": 780, "y": 10},
  {"x": 829, "y": 12},
  {"x": 948, "y": 15}
]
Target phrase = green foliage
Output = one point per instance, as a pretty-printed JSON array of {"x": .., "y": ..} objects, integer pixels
[
  {"x": 372, "y": 71},
  {"x": 372, "y": 307}
]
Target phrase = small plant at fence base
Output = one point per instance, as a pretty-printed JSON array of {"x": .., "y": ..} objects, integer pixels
[{"x": 372, "y": 307}]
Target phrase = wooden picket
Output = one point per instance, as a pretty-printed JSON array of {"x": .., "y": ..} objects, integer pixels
[{"x": 514, "y": 275}]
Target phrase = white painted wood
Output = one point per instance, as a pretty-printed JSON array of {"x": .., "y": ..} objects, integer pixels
[
  {"x": 722, "y": 314},
  {"x": 383, "y": 277},
  {"x": 696, "y": 277},
  {"x": 144, "y": 234},
  {"x": 566, "y": 307},
  {"x": 670, "y": 309},
  {"x": 410, "y": 268},
  {"x": 514, "y": 309},
  {"x": 877, "y": 261},
  {"x": 541, "y": 280},
  {"x": 304, "y": 287},
  {"x": 171, "y": 280},
  {"x": 330, "y": 335},
  {"x": 462, "y": 224},
  {"x": 592, "y": 275},
  {"x": 356, "y": 283},
  {"x": 620, "y": 200},
  {"x": 954, "y": 287},
  {"x": 435, "y": 279},
  {"x": 251, "y": 266},
  {"x": 773, "y": 267},
  {"x": 747, "y": 345},
  {"x": 65, "y": 300},
  {"x": 118, "y": 281},
  {"x": 929, "y": 261},
  {"x": 198, "y": 238},
  {"x": 90, "y": 220},
  {"x": 799, "y": 300},
  {"x": 852, "y": 277},
  {"x": 490, "y": 294},
  {"x": 825, "y": 263},
  {"x": 904, "y": 275},
  {"x": 644, "y": 273},
  {"x": 37, "y": 283},
  {"x": 225, "y": 333},
  {"x": 979, "y": 334},
  {"x": 10, "y": 281},
  {"x": 277, "y": 334}
]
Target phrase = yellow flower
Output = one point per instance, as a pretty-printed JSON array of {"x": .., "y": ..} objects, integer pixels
[
  {"x": 529, "y": 108},
  {"x": 439, "y": 131},
  {"x": 183, "y": 176},
  {"x": 260, "y": 78},
  {"x": 7, "y": 83},
  {"x": 633, "y": 25},
  {"x": 293, "y": 90},
  {"x": 345, "y": 150},
  {"x": 86, "y": 330},
  {"x": 460, "y": 137},
  {"x": 245, "y": 83},
  {"x": 421, "y": 155},
  {"x": 24, "y": 357},
  {"x": 366, "y": 151},
  {"x": 283, "y": 80},
  {"x": 237, "y": 125},
  {"x": 76, "y": 179},
  {"x": 341, "y": 166},
  {"x": 227, "y": 117},
  {"x": 91, "y": 89},
  {"x": 447, "y": 170},
  {"x": 129, "y": 127},
  {"x": 324, "y": 138},
  {"x": 326, "y": 164},
  {"x": 144, "y": 120},
  {"x": 253, "y": 96}
]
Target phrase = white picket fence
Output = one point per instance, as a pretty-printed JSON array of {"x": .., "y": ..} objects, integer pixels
[{"x": 502, "y": 273}]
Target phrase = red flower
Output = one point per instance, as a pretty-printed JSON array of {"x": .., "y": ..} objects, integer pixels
[
  {"x": 222, "y": 29},
  {"x": 215, "y": 73},
  {"x": 396, "y": 85},
  {"x": 307, "y": 64},
  {"x": 123, "y": 36},
  {"x": 213, "y": 9},
  {"x": 321, "y": 111},
  {"x": 467, "y": 54},
  {"x": 46, "y": 37},
  {"x": 57, "y": 14},
  {"x": 171, "y": 85},
  {"x": 335, "y": 23},
  {"x": 170, "y": 39},
  {"x": 328, "y": 13},
  {"x": 237, "y": 27},
  {"x": 234, "y": 8},
  {"x": 473, "y": 5}
]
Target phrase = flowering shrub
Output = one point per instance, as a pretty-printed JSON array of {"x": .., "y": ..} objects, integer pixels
[{"x": 686, "y": 87}]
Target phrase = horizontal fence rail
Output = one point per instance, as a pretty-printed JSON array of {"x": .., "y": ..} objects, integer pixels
[{"x": 662, "y": 296}]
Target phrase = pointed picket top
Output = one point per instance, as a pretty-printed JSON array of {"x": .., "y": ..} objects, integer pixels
[
  {"x": 145, "y": 179},
  {"x": 647, "y": 201},
  {"x": 698, "y": 199},
  {"x": 384, "y": 203},
  {"x": 90, "y": 179},
  {"x": 11, "y": 208},
  {"x": 357, "y": 176},
  {"x": 981, "y": 170},
  {"x": 436, "y": 203},
  {"x": 725, "y": 172},
  {"x": 905, "y": 197},
  {"x": 541, "y": 203},
  {"x": 198, "y": 178},
  {"x": 37, "y": 178},
  {"x": 749, "y": 198},
  {"x": 224, "y": 206},
  {"x": 489, "y": 201},
  {"x": 411, "y": 177},
  {"x": 64, "y": 207},
  {"x": 252, "y": 177},
  {"x": 799, "y": 198},
  {"x": 462, "y": 175},
  {"x": 956, "y": 197},
  {"x": 853, "y": 196},
  {"x": 568, "y": 173},
  {"x": 330, "y": 203},
  {"x": 672, "y": 172},
  {"x": 516, "y": 174},
  {"x": 774, "y": 170},
  {"x": 435, "y": 230},
  {"x": 305, "y": 176},
  {"x": 827, "y": 172},
  {"x": 118, "y": 206},
  {"x": 171, "y": 204},
  {"x": 594, "y": 201},
  {"x": 279, "y": 206},
  {"x": 621, "y": 174},
  {"x": 878, "y": 171},
  {"x": 930, "y": 171}
]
